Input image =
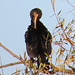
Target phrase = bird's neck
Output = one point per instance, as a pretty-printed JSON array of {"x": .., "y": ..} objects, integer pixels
[{"x": 32, "y": 23}]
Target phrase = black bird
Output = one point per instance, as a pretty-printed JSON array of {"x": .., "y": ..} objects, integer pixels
[{"x": 38, "y": 38}]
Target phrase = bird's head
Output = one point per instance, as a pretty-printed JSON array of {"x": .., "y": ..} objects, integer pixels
[{"x": 35, "y": 14}]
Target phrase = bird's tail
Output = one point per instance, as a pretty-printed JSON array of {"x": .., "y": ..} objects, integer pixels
[{"x": 43, "y": 62}]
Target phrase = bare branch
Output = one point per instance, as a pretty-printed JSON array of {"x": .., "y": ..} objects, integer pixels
[
  {"x": 55, "y": 69},
  {"x": 14, "y": 55},
  {"x": 70, "y": 4},
  {"x": 70, "y": 41},
  {"x": 11, "y": 64},
  {"x": 71, "y": 67},
  {"x": 1, "y": 65},
  {"x": 70, "y": 11},
  {"x": 61, "y": 70}
]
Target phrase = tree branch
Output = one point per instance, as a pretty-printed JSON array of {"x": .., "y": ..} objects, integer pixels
[
  {"x": 55, "y": 69},
  {"x": 70, "y": 67},
  {"x": 70, "y": 4},
  {"x": 14, "y": 55},
  {"x": 70, "y": 41},
  {"x": 11, "y": 64}
]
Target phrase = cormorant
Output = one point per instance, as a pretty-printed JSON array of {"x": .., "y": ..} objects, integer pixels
[{"x": 38, "y": 38}]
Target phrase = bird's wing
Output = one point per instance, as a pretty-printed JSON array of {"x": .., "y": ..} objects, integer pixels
[
  {"x": 31, "y": 43},
  {"x": 46, "y": 43}
]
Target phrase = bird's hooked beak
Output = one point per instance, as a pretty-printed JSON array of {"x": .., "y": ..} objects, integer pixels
[{"x": 35, "y": 19}]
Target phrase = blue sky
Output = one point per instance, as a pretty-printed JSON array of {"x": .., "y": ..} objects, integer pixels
[{"x": 14, "y": 20}]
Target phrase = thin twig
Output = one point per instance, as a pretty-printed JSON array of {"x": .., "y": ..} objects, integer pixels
[
  {"x": 70, "y": 67},
  {"x": 1, "y": 65},
  {"x": 70, "y": 11},
  {"x": 70, "y": 4},
  {"x": 70, "y": 41},
  {"x": 55, "y": 69},
  {"x": 54, "y": 12},
  {"x": 47, "y": 72},
  {"x": 16, "y": 72}
]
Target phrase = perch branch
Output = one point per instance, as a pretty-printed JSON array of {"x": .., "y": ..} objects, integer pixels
[{"x": 55, "y": 69}]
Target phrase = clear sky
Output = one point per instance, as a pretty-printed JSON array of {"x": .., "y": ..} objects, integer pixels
[{"x": 14, "y": 20}]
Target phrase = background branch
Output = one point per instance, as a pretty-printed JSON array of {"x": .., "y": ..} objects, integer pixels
[
  {"x": 55, "y": 69},
  {"x": 70, "y": 4}
]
